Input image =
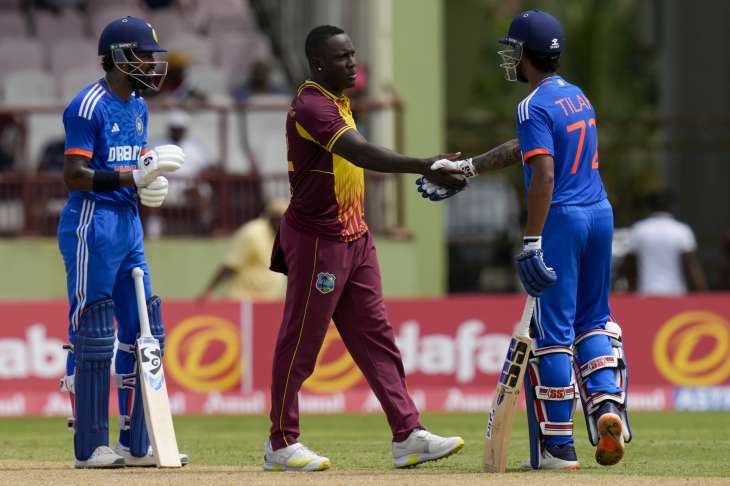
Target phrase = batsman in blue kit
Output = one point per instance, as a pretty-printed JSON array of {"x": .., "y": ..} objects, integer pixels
[
  {"x": 107, "y": 170},
  {"x": 566, "y": 258}
]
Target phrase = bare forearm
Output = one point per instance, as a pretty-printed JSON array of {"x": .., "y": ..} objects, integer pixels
[
  {"x": 539, "y": 197},
  {"x": 499, "y": 157},
  {"x": 380, "y": 159}
]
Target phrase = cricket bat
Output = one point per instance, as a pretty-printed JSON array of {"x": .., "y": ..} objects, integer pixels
[
  {"x": 504, "y": 405},
  {"x": 154, "y": 389}
]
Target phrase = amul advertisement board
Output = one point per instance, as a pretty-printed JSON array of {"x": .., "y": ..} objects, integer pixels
[{"x": 218, "y": 355}]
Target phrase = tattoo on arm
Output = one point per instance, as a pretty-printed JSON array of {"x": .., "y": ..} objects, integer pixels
[{"x": 499, "y": 157}]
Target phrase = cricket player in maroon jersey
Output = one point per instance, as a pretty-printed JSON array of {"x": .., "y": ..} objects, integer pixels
[{"x": 325, "y": 248}]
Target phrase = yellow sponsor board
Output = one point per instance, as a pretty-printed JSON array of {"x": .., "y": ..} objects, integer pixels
[
  {"x": 693, "y": 349},
  {"x": 203, "y": 354}
]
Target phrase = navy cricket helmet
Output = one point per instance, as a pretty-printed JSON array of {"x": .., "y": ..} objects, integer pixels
[
  {"x": 534, "y": 30},
  {"x": 123, "y": 38}
]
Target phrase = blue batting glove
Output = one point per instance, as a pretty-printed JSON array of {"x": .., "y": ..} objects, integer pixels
[
  {"x": 534, "y": 274},
  {"x": 434, "y": 192}
]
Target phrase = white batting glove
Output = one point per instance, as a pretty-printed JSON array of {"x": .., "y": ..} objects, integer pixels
[
  {"x": 163, "y": 158},
  {"x": 465, "y": 166},
  {"x": 154, "y": 193}
]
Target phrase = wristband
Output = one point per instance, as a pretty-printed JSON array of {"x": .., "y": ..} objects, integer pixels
[
  {"x": 467, "y": 168},
  {"x": 106, "y": 181},
  {"x": 532, "y": 242}
]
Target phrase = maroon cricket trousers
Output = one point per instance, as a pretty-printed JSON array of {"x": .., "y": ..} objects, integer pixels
[{"x": 340, "y": 281}]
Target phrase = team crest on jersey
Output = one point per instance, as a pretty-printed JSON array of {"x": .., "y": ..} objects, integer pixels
[
  {"x": 325, "y": 282},
  {"x": 139, "y": 125}
]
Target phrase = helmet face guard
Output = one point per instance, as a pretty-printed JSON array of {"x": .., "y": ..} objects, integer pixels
[
  {"x": 151, "y": 78},
  {"x": 511, "y": 57}
]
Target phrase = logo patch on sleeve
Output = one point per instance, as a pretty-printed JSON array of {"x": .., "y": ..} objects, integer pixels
[{"x": 325, "y": 282}]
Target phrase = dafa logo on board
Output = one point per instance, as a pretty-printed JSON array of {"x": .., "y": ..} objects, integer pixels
[
  {"x": 203, "y": 354},
  {"x": 693, "y": 349},
  {"x": 335, "y": 370}
]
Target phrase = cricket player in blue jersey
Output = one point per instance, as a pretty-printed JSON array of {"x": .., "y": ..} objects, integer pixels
[
  {"x": 107, "y": 170},
  {"x": 566, "y": 258}
]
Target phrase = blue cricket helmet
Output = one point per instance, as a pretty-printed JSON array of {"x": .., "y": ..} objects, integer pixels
[
  {"x": 129, "y": 33},
  {"x": 125, "y": 37},
  {"x": 537, "y": 31},
  {"x": 534, "y": 30}
]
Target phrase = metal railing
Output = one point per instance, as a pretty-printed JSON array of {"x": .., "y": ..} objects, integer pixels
[{"x": 228, "y": 193}]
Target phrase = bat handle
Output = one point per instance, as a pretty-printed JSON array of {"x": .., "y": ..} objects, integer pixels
[
  {"x": 523, "y": 329},
  {"x": 144, "y": 320}
]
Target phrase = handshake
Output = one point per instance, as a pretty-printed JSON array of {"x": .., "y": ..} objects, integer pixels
[
  {"x": 434, "y": 186},
  {"x": 151, "y": 185}
]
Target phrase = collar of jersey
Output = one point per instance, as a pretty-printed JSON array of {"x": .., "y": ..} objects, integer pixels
[
  {"x": 549, "y": 79},
  {"x": 322, "y": 89},
  {"x": 111, "y": 93}
]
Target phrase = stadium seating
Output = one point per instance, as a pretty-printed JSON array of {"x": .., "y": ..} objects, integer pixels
[
  {"x": 12, "y": 24},
  {"x": 51, "y": 28},
  {"x": 47, "y": 57},
  {"x": 31, "y": 87},
  {"x": 20, "y": 53},
  {"x": 67, "y": 54}
]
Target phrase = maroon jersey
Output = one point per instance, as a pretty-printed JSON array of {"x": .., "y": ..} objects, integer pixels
[{"x": 328, "y": 191}]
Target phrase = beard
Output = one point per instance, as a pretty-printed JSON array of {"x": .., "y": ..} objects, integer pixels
[{"x": 520, "y": 76}]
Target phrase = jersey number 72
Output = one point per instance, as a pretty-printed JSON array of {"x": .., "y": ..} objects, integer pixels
[{"x": 581, "y": 125}]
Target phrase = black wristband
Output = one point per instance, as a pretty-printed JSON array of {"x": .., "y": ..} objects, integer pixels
[{"x": 106, "y": 181}]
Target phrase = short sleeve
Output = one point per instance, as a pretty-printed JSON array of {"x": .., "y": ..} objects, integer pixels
[
  {"x": 533, "y": 131},
  {"x": 81, "y": 132},
  {"x": 319, "y": 119},
  {"x": 688, "y": 242}
]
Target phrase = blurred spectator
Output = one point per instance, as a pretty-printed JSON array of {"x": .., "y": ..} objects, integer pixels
[
  {"x": 176, "y": 89},
  {"x": 52, "y": 156},
  {"x": 662, "y": 258},
  {"x": 260, "y": 82},
  {"x": 724, "y": 283},
  {"x": 183, "y": 192},
  {"x": 246, "y": 267},
  {"x": 197, "y": 158},
  {"x": 9, "y": 141}
]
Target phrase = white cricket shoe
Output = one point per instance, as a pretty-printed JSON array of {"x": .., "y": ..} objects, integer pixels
[
  {"x": 562, "y": 457},
  {"x": 422, "y": 446},
  {"x": 295, "y": 457},
  {"x": 144, "y": 461},
  {"x": 102, "y": 457}
]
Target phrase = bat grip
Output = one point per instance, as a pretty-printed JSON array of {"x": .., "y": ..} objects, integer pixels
[
  {"x": 523, "y": 328},
  {"x": 144, "y": 320}
]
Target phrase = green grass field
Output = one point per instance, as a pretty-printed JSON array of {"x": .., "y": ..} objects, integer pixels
[{"x": 680, "y": 445}]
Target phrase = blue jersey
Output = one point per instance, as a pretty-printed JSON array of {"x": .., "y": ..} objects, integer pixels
[
  {"x": 109, "y": 131},
  {"x": 558, "y": 120}
]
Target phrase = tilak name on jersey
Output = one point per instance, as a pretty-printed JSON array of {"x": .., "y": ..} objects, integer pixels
[{"x": 576, "y": 105}]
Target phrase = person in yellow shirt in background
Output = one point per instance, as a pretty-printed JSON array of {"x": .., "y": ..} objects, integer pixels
[{"x": 246, "y": 266}]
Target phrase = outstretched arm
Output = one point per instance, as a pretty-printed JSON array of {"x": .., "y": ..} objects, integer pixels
[
  {"x": 353, "y": 147},
  {"x": 499, "y": 157}
]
